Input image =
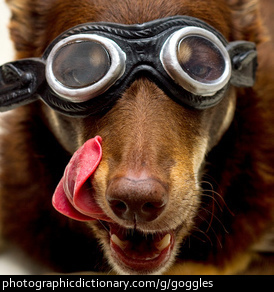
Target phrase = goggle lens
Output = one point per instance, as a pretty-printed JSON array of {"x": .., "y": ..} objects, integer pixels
[
  {"x": 200, "y": 59},
  {"x": 81, "y": 64}
]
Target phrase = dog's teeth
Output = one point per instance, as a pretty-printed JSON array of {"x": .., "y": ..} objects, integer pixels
[
  {"x": 162, "y": 244},
  {"x": 121, "y": 243}
]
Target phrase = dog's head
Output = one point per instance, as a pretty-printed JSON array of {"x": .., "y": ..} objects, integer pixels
[{"x": 142, "y": 173}]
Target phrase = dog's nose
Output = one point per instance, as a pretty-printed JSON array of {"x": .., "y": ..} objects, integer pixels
[{"x": 137, "y": 200}]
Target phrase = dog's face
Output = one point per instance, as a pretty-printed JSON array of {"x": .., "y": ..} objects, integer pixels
[{"x": 154, "y": 150}]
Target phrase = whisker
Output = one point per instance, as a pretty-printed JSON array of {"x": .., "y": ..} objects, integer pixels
[
  {"x": 213, "y": 198},
  {"x": 202, "y": 232},
  {"x": 215, "y": 217},
  {"x": 213, "y": 192},
  {"x": 104, "y": 226},
  {"x": 211, "y": 218},
  {"x": 212, "y": 229}
]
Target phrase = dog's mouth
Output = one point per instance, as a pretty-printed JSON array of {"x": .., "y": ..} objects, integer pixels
[{"x": 135, "y": 252}]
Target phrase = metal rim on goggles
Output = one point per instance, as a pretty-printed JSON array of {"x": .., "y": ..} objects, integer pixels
[
  {"x": 172, "y": 66},
  {"x": 115, "y": 71}
]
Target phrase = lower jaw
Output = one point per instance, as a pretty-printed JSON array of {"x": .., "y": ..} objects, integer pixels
[
  {"x": 134, "y": 266},
  {"x": 142, "y": 261}
]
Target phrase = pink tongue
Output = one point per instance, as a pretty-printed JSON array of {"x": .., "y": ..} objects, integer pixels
[{"x": 74, "y": 195}]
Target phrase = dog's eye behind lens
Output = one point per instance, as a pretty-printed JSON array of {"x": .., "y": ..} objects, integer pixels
[
  {"x": 81, "y": 64},
  {"x": 201, "y": 59}
]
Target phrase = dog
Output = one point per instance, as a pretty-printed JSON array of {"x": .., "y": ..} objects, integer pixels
[{"x": 148, "y": 183}]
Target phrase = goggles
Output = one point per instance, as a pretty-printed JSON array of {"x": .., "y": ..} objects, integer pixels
[{"x": 87, "y": 68}]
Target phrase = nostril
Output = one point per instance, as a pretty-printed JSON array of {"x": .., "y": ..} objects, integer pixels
[
  {"x": 151, "y": 207},
  {"x": 119, "y": 207},
  {"x": 150, "y": 211},
  {"x": 147, "y": 207}
]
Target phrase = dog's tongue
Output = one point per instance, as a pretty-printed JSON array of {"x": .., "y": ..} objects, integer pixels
[{"x": 74, "y": 195}]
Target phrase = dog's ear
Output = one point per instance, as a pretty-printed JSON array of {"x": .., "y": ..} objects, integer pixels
[
  {"x": 246, "y": 21},
  {"x": 19, "y": 82},
  {"x": 28, "y": 23}
]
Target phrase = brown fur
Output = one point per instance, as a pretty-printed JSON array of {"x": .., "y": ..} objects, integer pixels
[{"x": 237, "y": 206}]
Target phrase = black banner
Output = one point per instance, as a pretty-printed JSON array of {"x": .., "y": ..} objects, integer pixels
[{"x": 129, "y": 283}]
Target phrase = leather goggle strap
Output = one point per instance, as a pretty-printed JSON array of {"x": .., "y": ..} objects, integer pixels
[{"x": 20, "y": 82}]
